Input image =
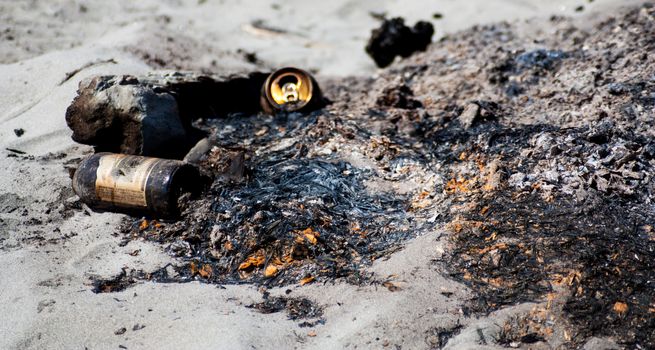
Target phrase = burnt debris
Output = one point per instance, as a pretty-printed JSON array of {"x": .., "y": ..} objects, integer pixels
[
  {"x": 518, "y": 68},
  {"x": 398, "y": 97},
  {"x": 302, "y": 309},
  {"x": 119, "y": 114},
  {"x": 438, "y": 337},
  {"x": 547, "y": 230},
  {"x": 544, "y": 194},
  {"x": 135, "y": 184},
  {"x": 394, "y": 38},
  {"x": 152, "y": 115},
  {"x": 297, "y": 216}
]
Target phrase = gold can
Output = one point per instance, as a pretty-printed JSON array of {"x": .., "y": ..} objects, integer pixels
[{"x": 290, "y": 90}]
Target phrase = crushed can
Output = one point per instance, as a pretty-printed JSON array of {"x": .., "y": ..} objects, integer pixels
[
  {"x": 126, "y": 183},
  {"x": 290, "y": 90}
]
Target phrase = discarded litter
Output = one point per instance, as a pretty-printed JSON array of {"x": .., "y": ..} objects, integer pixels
[
  {"x": 289, "y": 90},
  {"x": 153, "y": 115},
  {"x": 155, "y": 119},
  {"x": 540, "y": 194},
  {"x": 106, "y": 181}
]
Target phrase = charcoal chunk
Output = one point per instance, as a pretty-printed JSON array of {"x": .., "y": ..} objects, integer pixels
[{"x": 394, "y": 38}]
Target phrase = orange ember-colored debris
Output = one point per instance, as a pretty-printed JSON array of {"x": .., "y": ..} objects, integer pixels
[
  {"x": 307, "y": 234},
  {"x": 456, "y": 185},
  {"x": 255, "y": 260},
  {"x": 144, "y": 224},
  {"x": 620, "y": 308},
  {"x": 307, "y": 280},
  {"x": 271, "y": 271}
]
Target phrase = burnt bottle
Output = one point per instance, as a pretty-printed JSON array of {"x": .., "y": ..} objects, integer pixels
[
  {"x": 290, "y": 90},
  {"x": 135, "y": 184}
]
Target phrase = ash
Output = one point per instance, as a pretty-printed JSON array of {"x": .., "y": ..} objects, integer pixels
[
  {"x": 533, "y": 153},
  {"x": 300, "y": 209}
]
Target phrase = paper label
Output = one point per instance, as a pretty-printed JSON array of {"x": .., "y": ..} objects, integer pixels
[{"x": 121, "y": 179}]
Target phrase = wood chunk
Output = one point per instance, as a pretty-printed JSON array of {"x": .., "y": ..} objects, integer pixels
[{"x": 152, "y": 115}]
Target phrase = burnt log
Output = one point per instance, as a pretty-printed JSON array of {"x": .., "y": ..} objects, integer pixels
[{"x": 152, "y": 115}]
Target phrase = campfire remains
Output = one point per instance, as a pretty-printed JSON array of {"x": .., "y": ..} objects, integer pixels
[{"x": 533, "y": 153}]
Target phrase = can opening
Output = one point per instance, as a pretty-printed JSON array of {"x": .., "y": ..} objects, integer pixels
[
  {"x": 185, "y": 180},
  {"x": 288, "y": 79},
  {"x": 290, "y": 86},
  {"x": 289, "y": 89}
]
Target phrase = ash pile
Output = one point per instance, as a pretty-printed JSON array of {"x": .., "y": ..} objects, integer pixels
[{"x": 533, "y": 153}]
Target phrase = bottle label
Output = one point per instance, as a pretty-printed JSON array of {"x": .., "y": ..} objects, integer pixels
[{"x": 121, "y": 179}]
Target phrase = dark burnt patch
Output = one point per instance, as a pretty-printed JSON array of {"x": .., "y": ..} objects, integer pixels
[
  {"x": 394, "y": 38},
  {"x": 541, "y": 59},
  {"x": 130, "y": 277},
  {"x": 399, "y": 97},
  {"x": 117, "y": 283},
  {"x": 546, "y": 196},
  {"x": 207, "y": 97},
  {"x": 296, "y": 309},
  {"x": 516, "y": 70},
  {"x": 545, "y": 231},
  {"x": 294, "y": 215},
  {"x": 438, "y": 337}
]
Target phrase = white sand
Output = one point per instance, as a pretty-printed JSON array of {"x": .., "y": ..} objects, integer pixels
[{"x": 45, "y": 298}]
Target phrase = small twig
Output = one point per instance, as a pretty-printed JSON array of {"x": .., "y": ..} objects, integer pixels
[{"x": 72, "y": 73}]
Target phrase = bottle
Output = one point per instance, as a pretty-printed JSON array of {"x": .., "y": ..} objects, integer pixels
[
  {"x": 135, "y": 184},
  {"x": 290, "y": 90}
]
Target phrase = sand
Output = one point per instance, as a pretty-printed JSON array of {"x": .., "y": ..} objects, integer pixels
[{"x": 51, "y": 246}]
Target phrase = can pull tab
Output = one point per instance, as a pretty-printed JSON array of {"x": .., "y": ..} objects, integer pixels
[{"x": 290, "y": 91}]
